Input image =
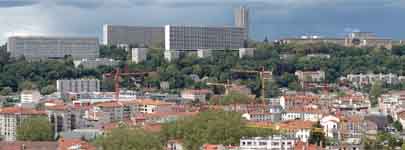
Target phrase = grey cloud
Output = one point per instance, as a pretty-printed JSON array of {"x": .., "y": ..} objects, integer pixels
[{"x": 17, "y": 3}]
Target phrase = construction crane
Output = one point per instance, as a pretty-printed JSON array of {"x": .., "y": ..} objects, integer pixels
[
  {"x": 226, "y": 85},
  {"x": 117, "y": 74},
  {"x": 263, "y": 74}
]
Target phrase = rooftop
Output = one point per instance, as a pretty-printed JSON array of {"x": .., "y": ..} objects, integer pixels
[{"x": 21, "y": 110}]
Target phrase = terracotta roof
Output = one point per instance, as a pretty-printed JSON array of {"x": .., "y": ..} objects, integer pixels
[
  {"x": 301, "y": 97},
  {"x": 68, "y": 144},
  {"x": 304, "y": 109},
  {"x": 296, "y": 124},
  {"x": 20, "y": 110},
  {"x": 164, "y": 114},
  {"x": 110, "y": 104},
  {"x": 151, "y": 102},
  {"x": 58, "y": 107},
  {"x": 18, "y": 145},
  {"x": 306, "y": 146}
]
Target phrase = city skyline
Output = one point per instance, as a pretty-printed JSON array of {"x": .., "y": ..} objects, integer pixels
[{"x": 268, "y": 18}]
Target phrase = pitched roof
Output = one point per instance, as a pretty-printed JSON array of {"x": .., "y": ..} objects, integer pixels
[
  {"x": 296, "y": 124},
  {"x": 68, "y": 144},
  {"x": 21, "y": 110},
  {"x": 18, "y": 145}
]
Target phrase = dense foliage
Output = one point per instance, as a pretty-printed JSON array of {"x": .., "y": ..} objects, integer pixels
[
  {"x": 215, "y": 127},
  {"x": 35, "y": 129},
  {"x": 125, "y": 138}
]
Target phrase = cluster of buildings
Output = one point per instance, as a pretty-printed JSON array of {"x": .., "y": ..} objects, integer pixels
[
  {"x": 354, "y": 39},
  {"x": 360, "y": 80}
]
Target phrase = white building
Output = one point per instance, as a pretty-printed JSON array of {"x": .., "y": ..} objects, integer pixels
[
  {"x": 37, "y": 48},
  {"x": 193, "y": 95},
  {"x": 11, "y": 118},
  {"x": 193, "y": 37},
  {"x": 330, "y": 126},
  {"x": 78, "y": 85},
  {"x": 246, "y": 52},
  {"x": 267, "y": 143},
  {"x": 242, "y": 18},
  {"x": 310, "y": 76},
  {"x": 139, "y": 55},
  {"x": 388, "y": 103},
  {"x": 302, "y": 113},
  {"x": 133, "y": 35},
  {"x": 30, "y": 96},
  {"x": 203, "y": 53},
  {"x": 94, "y": 63}
]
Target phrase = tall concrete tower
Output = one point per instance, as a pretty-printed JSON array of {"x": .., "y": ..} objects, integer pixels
[{"x": 242, "y": 18}]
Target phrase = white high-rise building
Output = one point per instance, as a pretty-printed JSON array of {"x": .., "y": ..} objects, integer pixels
[
  {"x": 194, "y": 38},
  {"x": 78, "y": 85},
  {"x": 133, "y": 35},
  {"x": 241, "y": 15},
  {"x": 36, "y": 48}
]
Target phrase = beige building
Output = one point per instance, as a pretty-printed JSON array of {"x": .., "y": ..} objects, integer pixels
[
  {"x": 139, "y": 54},
  {"x": 11, "y": 118},
  {"x": 30, "y": 96},
  {"x": 78, "y": 85},
  {"x": 37, "y": 48}
]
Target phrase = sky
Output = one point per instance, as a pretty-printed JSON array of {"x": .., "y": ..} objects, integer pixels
[{"x": 268, "y": 18}]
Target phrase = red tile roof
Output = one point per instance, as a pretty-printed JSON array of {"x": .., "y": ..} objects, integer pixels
[
  {"x": 67, "y": 144},
  {"x": 296, "y": 124},
  {"x": 110, "y": 104},
  {"x": 305, "y": 146},
  {"x": 21, "y": 110},
  {"x": 18, "y": 145}
]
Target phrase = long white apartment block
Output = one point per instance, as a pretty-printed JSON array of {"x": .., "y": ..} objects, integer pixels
[
  {"x": 41, "y": 47},
  {"x": 194, "y": 38},
  {"x": 132, "y": 35},
  {"x": 78, "y": 85}
]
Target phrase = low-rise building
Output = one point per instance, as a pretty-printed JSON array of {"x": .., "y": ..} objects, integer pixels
[
  {"x": 200, "y": 95},
  {"x": 94, "y": 63},
  {"x": 302, "y": 113},
  {"x": 139, "y": 54},
  {"x": 12, "y": 117},
  {"x": 310, "y": 76},
  {"x": 330, "y": 125},
  {"x": 298, "y": 100},
  {"x": 299, "y": 129},
  {"x": 30, "y": 96},
  {"x": 276, "y": 142}
]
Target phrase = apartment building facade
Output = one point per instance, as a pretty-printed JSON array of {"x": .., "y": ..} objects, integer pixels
[
  {"x": 194, "y": 38},
  {"x": 132, "y": 35},
  {"x": 38, "y": 48},
  {"x": 78, "y": 85}
]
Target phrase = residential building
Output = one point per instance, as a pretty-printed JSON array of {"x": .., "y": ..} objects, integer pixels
[
  {"x": 351, "y": 104},
  {"x": 11, "y": 118},
  {"x": 298, "y": 100},
  {"x": 194, "y": 37},
  {"x": 200, "y": 94},
  {"x": 78, "y": 85},
  {"x": 330, "y": 126},
  {"x": 133, "y": 35},
  {"x": 174, "y": 145},
  {"x": 29, "y": 145},
  {"x": 306, "y": 146},
  {"x": 262, "y": 116},
  {"x": 354, "y": 39},
  {"x": 94, "y": 63},
  {"x": 370, "y": 78},
  {"x": 246, "y": 52},
  {"x": 302, "y": 113},
  {"x": 310, "y": 76},
  {"x": 63, "y": 118},
  {"x": 139, "y": 55},
  {"x": 300, "y": 129},
  {"x": 30, "y": 96},
  {"x": 37, "y": 48},
  {"x": 276, "y": 142},
  {"x": 388, "y": 102}
]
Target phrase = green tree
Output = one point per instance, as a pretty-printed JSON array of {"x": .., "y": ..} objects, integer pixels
[
  {"x": 316, "y": 135},
  {"x": 35, "y": 129},
  {"x": 375, "y": 92},
  {"x": 124, "y": 138},
  {"x": 6, "y": 91},
  {"x": 397, "y": 125},
  {"x": 48, "y": 90}
]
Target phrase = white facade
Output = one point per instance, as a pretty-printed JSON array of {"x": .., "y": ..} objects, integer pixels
[
  {"x": 307, "y": 116},
  {"x": 193, "y": 38},
  {"x": 10, "y": 119},
  {"x": 30, "y": 96},
  {"x": 78, "y": 85},
  {"x": 203, "y": 53},
  {"x": 37, "y": 48},
  {"x": 139, "y": 55},
  {"x": 171, "y": 55},
  {"x": 94, "y": 63},
  {"x": 267, "y": 143},
  {"x": 246, "y": 52},
  {"x": 132, "y": 35},
  {"x": 330, "y": 126}
]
